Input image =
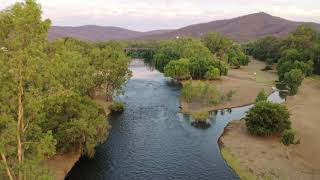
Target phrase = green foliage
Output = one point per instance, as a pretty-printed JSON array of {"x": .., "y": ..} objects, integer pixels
[
  {"x": 293, "y": 80},
  {"x": 213, "y": 73},
  {"x": 288, "y": 137},
  {"x": 233, "y": 162},
  {"x": 117, "y": 107},
  {"x": 23, "y": 39},
  {"x": 200, "y": 116},
  {"x": 111, "y": 65},
  {"x": 300, "y": 50},
  {"x": 236, "y": 57},
  {"x": 267, "y": 118},
  {"x": 76, "y": 122},
  {"x": 216, "y": 43},
  {"x": 225, "y": 49},
  {"x": 178, "y": 69},
  {"x": 262, "y": 96},
  {"x": 201, "y": 92},
  {"x": 204, "y": 93},
  {"x": 265, "y": 49},
  {"x": 44, "y": 103},
  {"x": 187, "y": 48}
]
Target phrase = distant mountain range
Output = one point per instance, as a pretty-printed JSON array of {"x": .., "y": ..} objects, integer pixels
[{"x": 243, "y": 28}]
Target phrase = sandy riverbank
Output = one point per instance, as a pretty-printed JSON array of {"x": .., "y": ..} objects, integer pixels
[
  {"x": 247, "y": 82},
  {"x": 267, "y": 157},
  {"x": 61, "y": 164}
]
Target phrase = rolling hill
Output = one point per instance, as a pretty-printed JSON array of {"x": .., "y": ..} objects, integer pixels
[{"x": 243, "y": 28}]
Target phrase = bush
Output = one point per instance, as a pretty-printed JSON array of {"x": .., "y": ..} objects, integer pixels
[
  {"x": 213, "y": 73},
  {"x": 178, "y": 69},
  {"x": 293, "y": 80},
  {"x": 288, "y": 137},
  {"x": 117, "y": 107},
  {"x": 262, "y": 96},
  {"x": 201, "y": 92},
  {"x": 267, "y": 118},
  {"x": 200, "y": 116},
  {"x": 267, "y": 68},
  {"x": 230, "y": 94}
]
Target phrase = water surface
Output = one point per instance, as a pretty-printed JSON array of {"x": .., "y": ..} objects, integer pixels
[{"x": 152, "y": 140}]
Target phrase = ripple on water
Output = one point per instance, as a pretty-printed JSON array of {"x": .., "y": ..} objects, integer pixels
[{"x": 152, "y": 140}]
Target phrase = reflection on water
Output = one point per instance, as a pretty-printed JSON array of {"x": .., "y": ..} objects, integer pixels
[{"x": 153, "y": 140}]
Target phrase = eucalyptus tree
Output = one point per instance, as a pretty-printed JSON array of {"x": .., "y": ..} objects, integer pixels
[{"x": 24, "y": 79}]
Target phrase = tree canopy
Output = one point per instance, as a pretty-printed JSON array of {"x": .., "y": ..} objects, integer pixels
[
  {"x": 46, "y": 92},
  {"x": 300, "y": 50}
]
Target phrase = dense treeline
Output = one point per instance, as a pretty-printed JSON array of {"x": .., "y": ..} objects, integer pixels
[
  {"x": 297, "y": 55},
  {"x": 184, "y": 58},
  {"x": 207, "y": 58},
  {"x": 47, "y": 91}
]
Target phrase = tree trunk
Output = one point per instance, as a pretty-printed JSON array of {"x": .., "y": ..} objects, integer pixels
[
  {"x": 20, "y": 125},
  {"x": 4, "y": 159}
]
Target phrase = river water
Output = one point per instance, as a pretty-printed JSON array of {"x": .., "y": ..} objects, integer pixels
[{"x": 152, "y": 140}]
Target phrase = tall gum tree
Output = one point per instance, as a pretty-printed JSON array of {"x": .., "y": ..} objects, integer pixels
[{"x": 23, "y": 39}]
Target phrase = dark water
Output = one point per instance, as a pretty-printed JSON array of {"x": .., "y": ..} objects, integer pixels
[{"x": 152, "y": 140}]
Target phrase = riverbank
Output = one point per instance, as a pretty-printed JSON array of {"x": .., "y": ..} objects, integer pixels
[
  {"x": 247, "y": 83},
  {"x": 267, "y": 156},
  {"x": 61, "y": 164}
]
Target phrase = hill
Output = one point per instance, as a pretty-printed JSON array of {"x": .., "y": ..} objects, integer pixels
[{"x": 243, "y": 28}]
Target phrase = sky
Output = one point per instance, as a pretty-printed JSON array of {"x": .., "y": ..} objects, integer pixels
[{"x": 145, "y": 15}]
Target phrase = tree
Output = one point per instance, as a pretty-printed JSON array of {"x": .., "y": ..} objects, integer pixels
[
  {"x": 262, "y": 96},
  {"x": 236, "y": 57},
  {"x": 267, "y": 118},
  {"x": 225, "y": 49},
  {"x": 178, "y": 69},
  {"x": 199, "y": 56},
  {"x": 23, "y": 83},
  {"x": 75, "y": 121},
  {"x": 293, "y": 80},
  {"x": 216, "y": 43},
  {"x": 111, "y": 66},
  {"x": 266, "y": 49}
]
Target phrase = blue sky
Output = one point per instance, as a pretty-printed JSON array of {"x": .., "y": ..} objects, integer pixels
[{"x": 146, "y": 15}]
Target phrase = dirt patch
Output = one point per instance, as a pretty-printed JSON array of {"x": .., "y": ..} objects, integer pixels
[
  {"x": 247, "y": 82},
  {"x": 267, "y": 156},
  {"x": 60, "y": 165}
]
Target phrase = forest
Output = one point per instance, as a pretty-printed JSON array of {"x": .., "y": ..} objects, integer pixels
[{"x": 47, "y": 92}]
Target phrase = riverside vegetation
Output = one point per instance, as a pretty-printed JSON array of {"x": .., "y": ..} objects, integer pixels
[
  {"x": 296, "y": 56},
  {"x": 47, "y": 91}
]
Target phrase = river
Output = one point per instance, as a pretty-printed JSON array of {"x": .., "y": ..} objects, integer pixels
[{"x": 151, "y": 139}]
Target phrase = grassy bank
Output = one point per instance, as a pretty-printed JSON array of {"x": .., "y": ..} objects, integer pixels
[
  {"x": 246, "y": 82},
  {"x": 242, "y": 172}
]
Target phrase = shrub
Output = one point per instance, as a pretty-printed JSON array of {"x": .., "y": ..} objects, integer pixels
[
  {"x": 262, "y": 96},
  {"x": 212, "y": 73},
  {"x": 288, "y": 137},
  {"x": 178, "y": 69},
  {"x": 267, "y": 68},
  {"x": 293, "y": 80},
  {"x": 200, "y": 116},
  {"x": 267, "y": 118},
  {"x": 117, "y": 107},
  {"x": 200, "y": 91},
  {"x": 230, "y": 94}
]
